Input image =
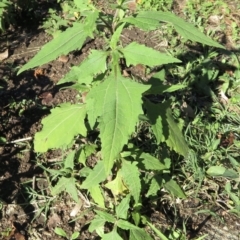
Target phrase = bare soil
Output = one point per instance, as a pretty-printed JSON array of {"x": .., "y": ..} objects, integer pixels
[{"x": 25, "y": 100}]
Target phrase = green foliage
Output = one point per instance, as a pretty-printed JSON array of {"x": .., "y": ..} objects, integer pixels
[
  {"x": 114, "y": 106},
  {"x": 160, "y": 5},
  {"x": 62, "y": 233},
  {"x": 66, "y": 181},
  {"x": 5, "y": 13},
  {"x": 65, "y": 120}
]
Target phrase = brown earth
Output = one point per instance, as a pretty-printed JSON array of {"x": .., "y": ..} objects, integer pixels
[{"x": 25, "y": 100}]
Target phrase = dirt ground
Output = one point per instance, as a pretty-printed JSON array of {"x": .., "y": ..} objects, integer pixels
[{"x": 24, "y": 101}]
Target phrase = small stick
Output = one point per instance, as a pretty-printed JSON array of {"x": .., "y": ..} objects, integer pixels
[{"x": 19, "y": 140}]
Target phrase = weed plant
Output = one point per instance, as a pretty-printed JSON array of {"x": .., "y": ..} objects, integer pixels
[{"x": 140, "y": 145}]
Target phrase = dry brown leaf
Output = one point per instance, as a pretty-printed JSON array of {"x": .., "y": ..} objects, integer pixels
[
  {"x": 63, "y": 59},
  {"x": 139, "y": 70},
  {"x": 76, "y": 209},
  {"x": 187, "y": 110},
  {"x": 47, "y": 98},
  {"x": 39, "y": 72},
  {"x": 214, "y": 19},
  {"x": 4, "y": 55},
  {"x": 19, "y": 236},
  {"x": 84, "y": 95},
  {"x": 53, "y": 221},
  {"x": 15, "y": 235}
]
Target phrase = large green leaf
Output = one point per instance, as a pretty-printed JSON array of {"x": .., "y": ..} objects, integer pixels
[
  {"x": 116, "y": 36},
  {"x": 68, "y": 185},
  {"x": 185, "y": 29},
  {"x": 175, "y": 189},
  {"x": 96, "y": 223},
  {"x": 117, "y": 101},
  {"x": 106, "y": 216},
  {"x": 69, "y": 160},
  {"x": 122, "y": 208},
  {"x": 174, "y": 137},
  {"x": 155, "y": 186},
  {"x": 125, "y": 225},
  {"x": 146, "y": 24},
  {"x": 139, "y": 234},
  {"x": 152, "y": 163},
  {"x": 131, "y": 178},
  {"x": 73, "y": 38},
  {"x": 60, "y": 127},
  {"x": 95, "y": 177},
  {"x": 154, "y": 116},
  {"x": 136, "y": 53},
  {"x": 165, "y": 128},
  {"x": 112, "y": 236},
  {"x": 97, "y": 196},
  {"x": 95, "y": 63}
]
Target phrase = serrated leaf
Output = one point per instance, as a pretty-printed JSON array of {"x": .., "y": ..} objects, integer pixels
[
  {"x": 152, "y": 163},
  {"x": 85, "y": 152},
  {"x": 96, "y": 223},
  {"x": 175, "y": 189},
  {"x": 111, "y": 236},
  {"x": 157, "y": 87},
  {"x": 117, "y": 101},
  {"x": 95, "y": 177},
  {"x": 139, "y": 234},
  {"x": 130, "y": 174},
  {"x": 125, "y": 224},
  {"x": 165, "y": 128},
  {"x": 136, "y": 53},
  {"x": 60, "y": 127},
  {"x": 106, "y": 216},
  {"x": 116, "y": 36},
  {"x": 59, "y": 187},
  {"x": 72, "y": 39},
  {"x": 185, "y": 29},
  {"x": 69, "y": 160},
  {"x": 90, "y": 22},
  {"x": 94, "y": 64},
  {"x": 97, "y": 196},
  {"x": 143, "y": 23},
  {"x": 154, "y": 116},
  {"x": 68, "y": 185},
  {"x": 117, "y": 186},
  {"x": 155, "y": 186},
  {"x": 174, "y": 139},
  {"x": 122, "y": 208}
]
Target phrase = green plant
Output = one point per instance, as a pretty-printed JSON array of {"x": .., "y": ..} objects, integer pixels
[
  {"x": 57, "y": 21},
  {"x": 62, "y": 233},
  {"x": 161, "y": 5},
  {"x": 112, "y": 106},
  {"x": 5, "y": 13}
]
